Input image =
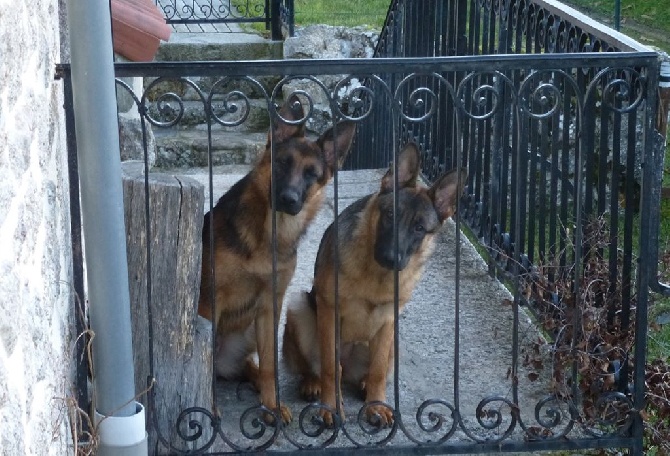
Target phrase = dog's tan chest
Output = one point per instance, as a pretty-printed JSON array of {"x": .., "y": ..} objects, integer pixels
[{"x": 361, "y": 320}]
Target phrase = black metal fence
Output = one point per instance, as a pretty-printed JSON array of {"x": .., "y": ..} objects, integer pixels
[
  {"x": 564, "y": 176},
  {"x": 276, "y": 14}
]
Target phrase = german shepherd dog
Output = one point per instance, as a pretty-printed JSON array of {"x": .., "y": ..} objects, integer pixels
[
  {"x": 242, "y": 245},
  {"x": 367, "y": 259}
]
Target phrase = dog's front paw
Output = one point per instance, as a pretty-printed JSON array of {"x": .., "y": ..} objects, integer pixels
[
  {"x": 379, "y": 415},
  {"x": 310, "y": 388},
  {"x": 285, "y": 414},
  {"x": 282, "y": 411},
  {"x": 329, "y": 419}
]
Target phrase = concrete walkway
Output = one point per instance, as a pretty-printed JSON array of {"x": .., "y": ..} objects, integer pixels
[{"x": 427, "y": 329}]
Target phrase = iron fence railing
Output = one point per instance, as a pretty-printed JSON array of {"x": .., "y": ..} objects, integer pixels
[
  {"x": 278, "y": 15},
  {"x": 473, "y": 27},
  {"x": 560, "y": 419},
  {"x": 563, "y": 188}
]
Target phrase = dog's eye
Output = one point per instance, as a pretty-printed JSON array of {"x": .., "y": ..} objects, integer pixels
[
  {"x": 419, "y": 228},
  {"x": 389, "y": 214},
  {"x": 310, "y": 173},
  {"x": 283, "y": 161}
]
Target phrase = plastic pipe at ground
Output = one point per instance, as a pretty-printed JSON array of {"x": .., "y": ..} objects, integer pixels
[{"x": 96, "y": 126}]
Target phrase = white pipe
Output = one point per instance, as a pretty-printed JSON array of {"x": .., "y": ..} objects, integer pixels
[
  {"x": 96, "y": 126},
  {"x": 121, "y": 433}
]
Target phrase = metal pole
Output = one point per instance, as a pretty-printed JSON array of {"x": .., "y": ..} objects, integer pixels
[
  {"x": 617, "y": 15},
  {"x": 94, "y": 95}
]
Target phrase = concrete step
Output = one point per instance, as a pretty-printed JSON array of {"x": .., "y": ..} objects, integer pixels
[
  {"x": 193, "y": 115},
  {"x": 194, "y": 47},
  {"x": 220, "y": 84},
  {"x": 185, "y": 144},
  {"x": 216, "y": 46},
  {"x": 188, "y": 148}
]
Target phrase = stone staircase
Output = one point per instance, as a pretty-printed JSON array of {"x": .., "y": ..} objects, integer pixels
[{"x": 185, "y": 144}]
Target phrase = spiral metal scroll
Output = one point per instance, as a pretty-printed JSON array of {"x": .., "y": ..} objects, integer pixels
[
  {"x": 312, "y": 425},
  {"x": 482, "y": 101},
  {"x": 231, "y": 107},
  {"x": 169, "y": 106},
  {"x": 254, "y": 427},
  {"x": 491, "y": 420},
  {"x": 355, "y": 101},
  {"x": 541, "y": 26},
  {"x": 185, "y": 420},
  {"x": 369, "y": 422},
  {"x": 420, "y": 98},
  {"x": 614, "y": 414},
  {"x": 432, "y": 418},
  {"x": 623, "y": 91},
  {"x": 187, "y": 10},
  {"x": 247, "y": 8},
  {"x": 308, "y": 100},
  {"x": 196, "y": 426},
  {"x": 540, "y": 96},
  {"x": 555, "y": 417},
  {"x": 169, "y": 9}
]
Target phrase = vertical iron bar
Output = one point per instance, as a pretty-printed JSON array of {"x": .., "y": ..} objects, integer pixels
[
  {"x": 291, "y": 17},
  {"x": 275, "y": 20},
  {"x": 81, "y": 352},
  {"x": 546, "y": 136},
  {"x": 649, "y": 228},
  {"x": 627, "y": 269},
  {"x": 613, "y": 226},
  {"x": 210, "y": 246},
  {"x": 535, "y": 130},
  {"x": 617, "y": 15}
]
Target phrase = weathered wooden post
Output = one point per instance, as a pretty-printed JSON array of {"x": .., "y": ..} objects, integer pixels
[{"x": 182, "y": 341}]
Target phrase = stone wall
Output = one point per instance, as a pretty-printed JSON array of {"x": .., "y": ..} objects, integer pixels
[{"x": 35, "y": 260}]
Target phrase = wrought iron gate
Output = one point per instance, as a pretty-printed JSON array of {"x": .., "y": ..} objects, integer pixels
[{"x": 276, "y": 14}]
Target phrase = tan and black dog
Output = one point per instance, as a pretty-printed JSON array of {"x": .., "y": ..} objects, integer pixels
[
  {"x": 367, "y": 258},
  {"x": 242, "y": 245}
]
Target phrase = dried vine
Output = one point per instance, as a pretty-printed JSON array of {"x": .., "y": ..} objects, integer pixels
[{"x": 592, "y": 340}]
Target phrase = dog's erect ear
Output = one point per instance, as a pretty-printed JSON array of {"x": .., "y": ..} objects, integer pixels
[
  {"x": 446, "y": 191},
  {"x": 408, "y": 169},
  {"x": 336, "y": 142},
  {"x": 291, "y": 110}
]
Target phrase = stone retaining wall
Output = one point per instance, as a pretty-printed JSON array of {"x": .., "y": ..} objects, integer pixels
[{"x": 35, "y": 260}]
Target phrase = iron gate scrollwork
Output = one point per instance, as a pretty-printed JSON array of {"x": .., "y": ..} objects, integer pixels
[{"x": 278, "y": 15}]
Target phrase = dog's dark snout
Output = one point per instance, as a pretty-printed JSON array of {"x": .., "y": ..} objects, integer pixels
[
  {"x": 290, "y": 201},
  {"x": 387, "y": 257},
  {"x": 289, "y": 197}
]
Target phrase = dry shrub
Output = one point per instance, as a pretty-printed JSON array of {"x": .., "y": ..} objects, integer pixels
[{"x": 592, "y": 341}]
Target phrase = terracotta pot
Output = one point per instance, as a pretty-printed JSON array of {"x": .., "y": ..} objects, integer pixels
[{"x": 137, "y": 29}]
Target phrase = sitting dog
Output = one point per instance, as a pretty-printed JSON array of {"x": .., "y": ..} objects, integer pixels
[
  {"x": 367, "y": 260},
  {"x": 242, "y": 249}
]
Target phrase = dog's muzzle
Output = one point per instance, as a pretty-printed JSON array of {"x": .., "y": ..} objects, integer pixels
[
  {"x": 385, "y": 258},
  {"x": 289, "y": 201}
]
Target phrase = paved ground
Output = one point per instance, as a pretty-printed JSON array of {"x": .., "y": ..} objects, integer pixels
[{"x": 427, "y": 332}]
